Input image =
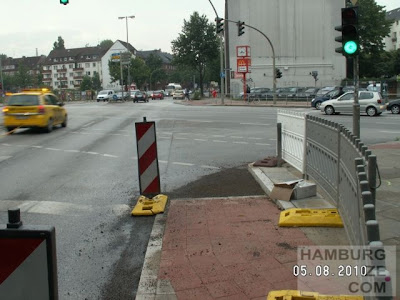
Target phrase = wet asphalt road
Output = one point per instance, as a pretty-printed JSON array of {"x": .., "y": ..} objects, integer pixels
[{"x": 83, "y": 179}]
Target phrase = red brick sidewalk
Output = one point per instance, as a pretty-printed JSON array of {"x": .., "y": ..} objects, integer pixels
[{"x": 228, "y": 248}]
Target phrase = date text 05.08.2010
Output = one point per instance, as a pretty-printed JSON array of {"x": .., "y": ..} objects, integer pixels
[{"x": 329, "y": 271}]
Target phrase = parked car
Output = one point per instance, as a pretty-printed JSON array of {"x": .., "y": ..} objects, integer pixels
[
  {"x": 318, "y": 100},
  {"x": 370, "y": 103},
  {"x": 259, "y": 93},
  {"x": 157, "y": 95},
  {"x": 394, "y": 106},
  {"x": 310, "y": 92},
  {"x": 105, "y": 95},
  {"x": 140, "y": 96},
  {"x": 178, "y": 94},
  {"x": 120, "y": 98},
  {"x": 34, "y": 108}
]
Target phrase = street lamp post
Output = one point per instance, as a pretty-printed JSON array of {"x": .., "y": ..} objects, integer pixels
[{"x": 127, "y": 43}]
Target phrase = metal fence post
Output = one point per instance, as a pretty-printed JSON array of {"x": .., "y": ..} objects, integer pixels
[
  {"x": 372, "y": 176},
  {"x": 279, "y": 144}
]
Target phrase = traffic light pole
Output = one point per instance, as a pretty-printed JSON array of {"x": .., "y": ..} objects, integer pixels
[
  {"x": 222, "y": 70},
  {"x": 356, "y": 104}
]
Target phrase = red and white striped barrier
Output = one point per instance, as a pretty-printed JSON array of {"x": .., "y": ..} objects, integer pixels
[{"x": 149, "y": 175}]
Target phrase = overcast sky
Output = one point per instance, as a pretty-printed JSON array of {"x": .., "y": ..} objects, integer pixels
[{"x": 27, "y": 25}]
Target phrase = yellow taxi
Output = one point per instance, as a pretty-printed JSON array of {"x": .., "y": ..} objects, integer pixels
[{"x": 34, "y": 108}]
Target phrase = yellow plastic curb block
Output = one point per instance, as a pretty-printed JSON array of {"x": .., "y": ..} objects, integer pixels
[
  {"x": 310, "y": 217},
  {"x": 149, "y": 207},
  {"x": 300, "y": 295}
]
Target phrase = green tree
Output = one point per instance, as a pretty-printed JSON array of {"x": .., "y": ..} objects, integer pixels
[
  {"x": 139, "y": 72},
  {"x": 59, "y": 44},
  {"x": 106, "y": 44},
  {"x": 96, "y": 83},
  {"x": 196, "y": 46},
  {"x": 86, "y": 83},
  {"x": 373, "y": 26},
  {"x": 22, "y": 78}
]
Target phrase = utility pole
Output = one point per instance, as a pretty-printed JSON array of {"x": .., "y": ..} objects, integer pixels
[{"x": 127, "y": 45}]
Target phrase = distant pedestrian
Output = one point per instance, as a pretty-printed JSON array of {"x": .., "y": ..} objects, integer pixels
[
  {"x": 214, "y": 93},
  {"x": 186, "y": 92}
]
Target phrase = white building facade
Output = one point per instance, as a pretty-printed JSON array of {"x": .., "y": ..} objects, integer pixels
[
  {"x": 392, "y": 42},
  {"x": 113, "y": 52},
  {"x": 302, "y": 34}
]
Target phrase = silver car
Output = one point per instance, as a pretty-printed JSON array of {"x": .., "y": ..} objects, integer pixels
[{"x": 370, "y": 104}]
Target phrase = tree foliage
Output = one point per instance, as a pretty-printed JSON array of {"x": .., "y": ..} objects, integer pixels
[
  {"x": 156, "y": 72},
  {"x": 373, "y": 26},
  {"x": 106, "y": 44},
  {"x": 139, "y": 72},
  {"x": 197, "y": 45},
  {"x": 59, "y": 44}
]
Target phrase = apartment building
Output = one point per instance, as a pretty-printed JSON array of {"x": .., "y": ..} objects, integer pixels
[
  {"x": 65, "y": 68},
  {"x": 33, "y": 64},
  {"x": 392, "y": 42}
]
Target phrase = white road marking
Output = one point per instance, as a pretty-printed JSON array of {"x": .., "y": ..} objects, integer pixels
[
  {"x": 163, "y": 161},
  {"x": 272, "y": 139},
  {"x": 4, "y": 157},
  {"x": 6, "y": 144},
  {"x": 110, "y": 155},
  {"x": 259, "y": 124},
  {"x": 261, "y": 144},
  {"x": 255, "y": 138},
  {"x": 182, "y": 163},
  {"x": 236, "y": 137},
  {"x": 74, "y": 151},
  {"x": 210, "y": 167},
  {"x": 53, "y": 149},
  {"x": 201, "y": 121},
  {"x": 218, "y": 135},
  {"x": 201, "y": 140},
  {"x": 90, "y": 152},
  {"x": 240, "y": 142},
  {"x": 88, "y": 124},
  {"x": 219, "y": 141},
  {"x": 38, "y": 147},
  {"x": 163, "y": 137},
  {"x": 386, "y": 131}
]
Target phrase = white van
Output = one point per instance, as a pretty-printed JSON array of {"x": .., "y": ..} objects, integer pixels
[
  {"x": 171, "y": 87},
  {"x": 105, "y": 95}
]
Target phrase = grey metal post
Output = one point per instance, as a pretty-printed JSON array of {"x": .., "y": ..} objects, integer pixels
[
  {"x": 221, "y": 54},
  {"x": 279, "y": 144},
  {"x": 356, "y": 105},
  {"x": 372, "y": 176}
]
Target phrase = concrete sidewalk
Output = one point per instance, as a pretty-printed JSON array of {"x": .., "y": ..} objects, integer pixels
[{"x": 228, "y": 248}]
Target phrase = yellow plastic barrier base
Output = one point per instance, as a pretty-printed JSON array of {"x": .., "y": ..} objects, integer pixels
[
  {"x": 148, "y": 207},
  {"x": 301, "y": 295},
  {"x": 310, "y": 217}
]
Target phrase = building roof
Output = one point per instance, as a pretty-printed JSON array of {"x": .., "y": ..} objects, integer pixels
[
  {"x": 393, "y": 14},
  {"x": 85, "y": 54},
  {"x": 128, "y": 46},
  {"x": 31, "y": 62},
  {"x": 165, "y": 57}
]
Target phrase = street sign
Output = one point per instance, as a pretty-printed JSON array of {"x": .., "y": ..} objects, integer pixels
[
  {"x": 243, "y": 51},
  {"x": 243, "y": 65},
  {"x": 222, "y": 75}
]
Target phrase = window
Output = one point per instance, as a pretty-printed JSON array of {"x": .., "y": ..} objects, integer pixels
[
  {"x": 349, "y": 96},
  {"x": 71, "y": 74},
  {"x": 88, "y": 73},
  {"x": 55, "y": 75},
  {"x": 94, "y": 64},
  {"x": 55, "y": 59},
  {"x": 79, "y": 65},
  {"x": 71, "y": 82},
  {"x": 366, "y": 95},
  {"x": 65, "y": 59},
  {"x": 71, "y": 66},
  {"x": 56, "y": 83},
  {"x": 55, "y": 67},
  {"x": 87, "y": 65}
]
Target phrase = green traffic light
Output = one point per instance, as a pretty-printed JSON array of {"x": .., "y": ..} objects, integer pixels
[{"x": 350, "y": 47}]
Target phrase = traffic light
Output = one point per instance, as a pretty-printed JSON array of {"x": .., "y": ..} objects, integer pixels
[
  {"x": 349, "y": 38},
  {"x": 65, "y": 2},
  {"x": 278, "y": 73},
  {"x": 220, "y": 24},
  {"x": 240, "y": 28}
]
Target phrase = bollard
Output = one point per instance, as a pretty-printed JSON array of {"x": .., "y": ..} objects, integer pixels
[
  {"x": 372, "y": 230},
  {"x": 279, "y": 144},
  {"x": 372, "y": 175},
  {"x": 14, "y": 218},
  {"x": 369, "y": 212}
]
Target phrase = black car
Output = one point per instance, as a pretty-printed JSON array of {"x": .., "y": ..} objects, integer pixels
[
  {"x": 140, "y": 96},
  {"x": 394, "y": 106}
]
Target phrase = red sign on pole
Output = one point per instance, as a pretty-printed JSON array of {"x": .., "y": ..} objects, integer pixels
[{"x": 243, "y": 65}]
